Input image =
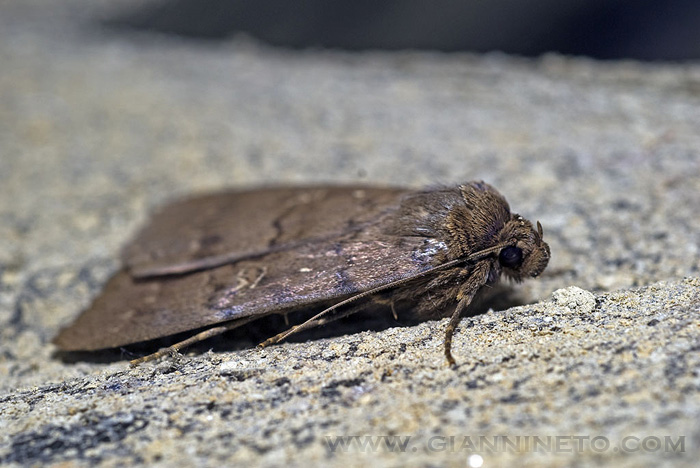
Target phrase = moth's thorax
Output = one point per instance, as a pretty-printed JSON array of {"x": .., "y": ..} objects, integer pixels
[
  {"x": 462, "y": 219},
  {"x": 475, "y": 221}
]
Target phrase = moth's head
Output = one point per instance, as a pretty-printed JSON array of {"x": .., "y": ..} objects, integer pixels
[{"x": 526, "y": 255}]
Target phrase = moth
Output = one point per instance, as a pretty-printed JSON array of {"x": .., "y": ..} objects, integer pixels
[{"x": 225, "y": 259}]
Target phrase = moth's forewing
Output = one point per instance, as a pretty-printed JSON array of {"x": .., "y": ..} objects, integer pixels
[
  {"x": 248, "y": 223},
  {"x": 316, "y": 271}
]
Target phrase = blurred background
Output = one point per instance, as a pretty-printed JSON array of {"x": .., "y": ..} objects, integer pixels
[{"x": 602, "y": 29}]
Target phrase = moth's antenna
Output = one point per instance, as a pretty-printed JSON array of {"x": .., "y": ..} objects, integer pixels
[
  {"x": 206, "y": 334},
  {"x": 313, "y": 321}
]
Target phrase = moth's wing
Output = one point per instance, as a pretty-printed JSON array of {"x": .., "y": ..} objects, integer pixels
[
  {"x": 327, "y": 256},
  {"x": 320, "y": 273},
  {"x": 215, "y": 229}
]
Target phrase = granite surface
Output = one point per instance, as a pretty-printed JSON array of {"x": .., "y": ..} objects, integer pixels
[{"x": 98, "y": 127}]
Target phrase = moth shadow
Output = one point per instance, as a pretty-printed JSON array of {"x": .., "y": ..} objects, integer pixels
[
  {"x": 500, "y": 296},
  {"x": 373, "y": 318},
  {"x": 101, "y": 356}
]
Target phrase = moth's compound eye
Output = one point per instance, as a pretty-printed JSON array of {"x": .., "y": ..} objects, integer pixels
[{"x": 511, "y": 257}]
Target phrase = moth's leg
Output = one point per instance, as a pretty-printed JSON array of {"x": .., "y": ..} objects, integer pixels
[
  {"x": 206, "y": 334},
  {"x": 388, "y": 301},
  {"x": 311, "y": 323},
  {"x": 477, "y": 279}
]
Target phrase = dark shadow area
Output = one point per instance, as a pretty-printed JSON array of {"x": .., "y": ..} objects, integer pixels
[
  {"x": 373, "y": 318},
  {"x": 602, "y": 29},
  {"x": 102, "y": 356}
]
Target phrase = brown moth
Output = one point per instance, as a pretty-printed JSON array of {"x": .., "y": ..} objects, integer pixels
[{"x": 225, "y": 259}]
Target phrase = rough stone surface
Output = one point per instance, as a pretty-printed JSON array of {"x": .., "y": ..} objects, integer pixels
[
  {"x": 574, "y": 299},
  {"x": 97, "y": 128}
]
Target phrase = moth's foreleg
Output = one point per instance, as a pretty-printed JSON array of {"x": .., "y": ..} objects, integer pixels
[{"x": 477, "y": 278}]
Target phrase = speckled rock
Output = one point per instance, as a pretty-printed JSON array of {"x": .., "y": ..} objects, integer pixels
[{"x": 595, "y": 362}]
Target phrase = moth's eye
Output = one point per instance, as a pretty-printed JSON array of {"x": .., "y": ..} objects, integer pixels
[{"x": 511, "y": 257}]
